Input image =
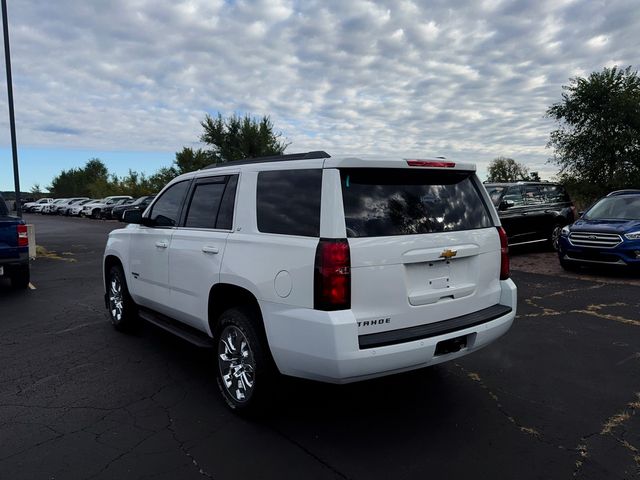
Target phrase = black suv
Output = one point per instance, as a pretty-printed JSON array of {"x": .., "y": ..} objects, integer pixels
[{"x": 532, "y": 211}]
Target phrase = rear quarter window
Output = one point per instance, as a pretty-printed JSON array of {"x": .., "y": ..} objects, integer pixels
[
  {"x": 384, "y": 202},
  {"x": 288, "y": 202}
]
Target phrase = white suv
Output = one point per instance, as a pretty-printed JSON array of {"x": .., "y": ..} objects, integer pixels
[{"x": 336, "y": 270}]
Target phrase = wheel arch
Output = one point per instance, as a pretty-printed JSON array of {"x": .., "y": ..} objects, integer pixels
[
  {"x": 110, "y": 261},
  {"x": 223, "y": 296}
]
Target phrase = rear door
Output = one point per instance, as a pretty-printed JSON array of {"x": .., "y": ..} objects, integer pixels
[
  {"x": 513, "y": 215},
  {"x": 538, "y": 217},
  {"x": 198, "y": 245},
  {"x": 423, "y": 244}
]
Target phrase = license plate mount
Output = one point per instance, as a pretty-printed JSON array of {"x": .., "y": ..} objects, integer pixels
[{"x": 451, "y": 345}]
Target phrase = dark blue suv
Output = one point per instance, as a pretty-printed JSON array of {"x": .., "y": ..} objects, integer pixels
[{"x": 608, "y": 233}]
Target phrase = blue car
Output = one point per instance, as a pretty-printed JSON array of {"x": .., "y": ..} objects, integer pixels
[{"x": 608, "y": 233}]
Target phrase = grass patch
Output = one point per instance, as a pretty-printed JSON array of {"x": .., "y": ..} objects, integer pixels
[{"x": 42, "y": 252}]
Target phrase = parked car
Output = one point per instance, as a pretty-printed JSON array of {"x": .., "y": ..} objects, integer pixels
[
  {"x": 76, "y": 209},
  {"x": 29, "y": 206},
  {"x": 139, "y": 204},
  {"x": 50, "y": 208},
  {"x": 608, "y": 233},
  {"x": 14, "y": 248},
  {"x": 61, "y": 208},
  {"x": 65, "y": 209},
  {"x": 532, "y": 212},
  {"x": 336, "y": 270},
  {"x": 94, "y": 210},
  {"x": 106, "y": 213}
]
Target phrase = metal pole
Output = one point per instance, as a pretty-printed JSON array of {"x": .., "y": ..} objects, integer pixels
[{"x": 12, "y": 120}]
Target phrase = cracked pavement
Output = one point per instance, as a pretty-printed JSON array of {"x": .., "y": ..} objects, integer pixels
[{"x": 557, "y": 397}]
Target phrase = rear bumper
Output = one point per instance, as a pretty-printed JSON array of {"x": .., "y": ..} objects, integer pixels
[
  {"x": 21, "y": 260},
  {"x": 325, "y": 346}
]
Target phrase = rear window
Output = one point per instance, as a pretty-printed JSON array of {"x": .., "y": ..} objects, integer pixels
[
  {"x": 288, "y": 202},
  {"x": 387, "y": 202}
]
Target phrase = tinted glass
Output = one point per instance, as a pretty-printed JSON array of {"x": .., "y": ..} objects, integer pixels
[
  {"x": 405, "y": 202},
  {"x": 533, "y": 195},
  {"x": 225, "y": 214},
  {"x": 288, "y": 202},
  {"x": 615, "y": 208},
  {"x": 3, "y": 207},
  {"x": 514, "y": 194},
  {"x": 205, "y": 203},
  {"x": 495, "y": 192},
  {"x": 554, "y": 193},
  {"x": 166, "y": 210}
]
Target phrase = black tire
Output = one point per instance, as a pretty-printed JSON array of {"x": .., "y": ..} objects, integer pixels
[
  {"x": 554, "y": 236},
  {"x": 246, "y": 392},
  {"x": 95, "y": 213},
  {"x": 122, "y": 309},
  {"x": 20, "y": 277}
]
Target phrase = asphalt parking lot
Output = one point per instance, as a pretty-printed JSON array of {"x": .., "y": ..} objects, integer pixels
[{"x": 557, "y": 397}]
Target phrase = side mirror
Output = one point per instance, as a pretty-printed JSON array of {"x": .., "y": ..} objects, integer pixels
[
  {"x": 506, "y": 204},
  {"x": 580, "y": 213},
  {"x": 132, "y": 216}
]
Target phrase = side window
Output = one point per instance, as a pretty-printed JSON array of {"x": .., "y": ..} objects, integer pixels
[
  {"x": 288, "y": 202},
  {"x": 555, "y": 193},
  {"x": 225, "y": 214},
  {"x": 533, "y": 195},
  {"x": 205, "y": 202},
  {"x": 514, "y": 194},
  {"x": 166, "y": 210}
]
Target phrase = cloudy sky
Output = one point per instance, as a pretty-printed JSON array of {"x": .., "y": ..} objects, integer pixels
[{"x": 129, "y": 81}]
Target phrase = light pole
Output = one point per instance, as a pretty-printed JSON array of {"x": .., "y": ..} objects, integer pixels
[{"x": 12, "y": 119}]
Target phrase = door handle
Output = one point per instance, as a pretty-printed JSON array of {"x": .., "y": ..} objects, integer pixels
[
  {"x": 210, "y": 249},
  {"x": 162, "y": 244}
]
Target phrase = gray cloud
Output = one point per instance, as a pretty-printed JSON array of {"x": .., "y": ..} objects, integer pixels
[{"x": 469, "y": 80}]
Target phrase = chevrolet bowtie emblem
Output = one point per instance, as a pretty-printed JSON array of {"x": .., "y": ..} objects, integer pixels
[{"x": 448, "y": 254}]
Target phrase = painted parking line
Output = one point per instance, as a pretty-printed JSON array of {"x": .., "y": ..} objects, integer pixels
[{"x": 31, "y": 286}]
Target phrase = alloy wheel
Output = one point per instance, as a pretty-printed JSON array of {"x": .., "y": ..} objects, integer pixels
[
  {"x": 236, "y": 364},
  {"x": 116, "y": 299}
]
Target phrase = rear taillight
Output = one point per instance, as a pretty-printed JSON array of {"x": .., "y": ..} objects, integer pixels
[
  {"x": 23, "y": 236},
  {"x": 332, "y": 280},
  {"x": 504, "y": 255}
]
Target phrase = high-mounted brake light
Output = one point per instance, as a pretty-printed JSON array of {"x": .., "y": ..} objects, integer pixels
[
  {"x": 332, "y": 278},
  {"x": 430, "y": 163},
  {"x": 23, "y": 236},
  {"x": 505, "y": 270}
]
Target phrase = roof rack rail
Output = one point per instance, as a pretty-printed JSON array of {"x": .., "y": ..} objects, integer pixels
[{"x": 273, "y": 158}]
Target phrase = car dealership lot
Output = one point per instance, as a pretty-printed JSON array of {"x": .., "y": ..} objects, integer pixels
[{"x": 557, "y": 397}]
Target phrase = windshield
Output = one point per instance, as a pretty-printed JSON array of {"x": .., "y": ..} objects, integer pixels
[
  {"x": 383, "y": 202},
  {"x": 615, "y": 208}
]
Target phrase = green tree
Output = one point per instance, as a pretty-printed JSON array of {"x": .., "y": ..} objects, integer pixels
[
  {"x": 238, "y": 137},
  {"x": 36, "y": 190},
  {"x": 189, "y": 160},
  {"x": 598, "y": 135},
  {"x": 158, "y": 180},
  {"x": 76, "y": 182},
  {"x": 503, "y": 169}
]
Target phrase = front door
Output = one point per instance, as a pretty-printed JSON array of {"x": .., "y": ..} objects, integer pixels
[{"x": 149, "y": 250}]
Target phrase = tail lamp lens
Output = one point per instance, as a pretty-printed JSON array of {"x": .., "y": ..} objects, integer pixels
[
  {"x": 505, "y": 271},
  {"x": 332, "y": 281},
  {"x": 23, "y": 236}
]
